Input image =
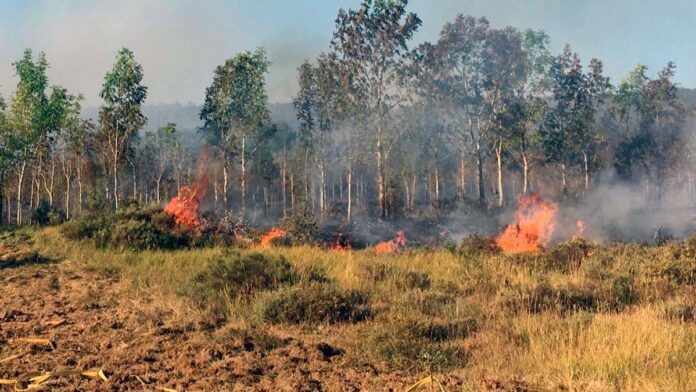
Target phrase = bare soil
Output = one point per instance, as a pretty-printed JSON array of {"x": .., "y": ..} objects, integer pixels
[{"x": 94, "y": 321}]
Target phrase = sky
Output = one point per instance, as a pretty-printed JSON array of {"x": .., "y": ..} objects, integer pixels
[{"x": 179, "y": 43}]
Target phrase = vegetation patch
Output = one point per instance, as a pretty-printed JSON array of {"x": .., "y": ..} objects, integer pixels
[
  {"x": 410, "y": 341},
  {"x": 313, "y": 303},
  {"x": 239, "y": 275}
]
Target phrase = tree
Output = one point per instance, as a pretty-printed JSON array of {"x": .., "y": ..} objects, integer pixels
[
  {"x": 372, "y": 43},
  {"x": 71, "y": 147},
  {"x": 159, "y": 146},
  {"x": 235, "y": 109},
  {"x": 120, "y": 115},
  {"x": 567, "y": 134},
  {"x": 34, "y": 116}
]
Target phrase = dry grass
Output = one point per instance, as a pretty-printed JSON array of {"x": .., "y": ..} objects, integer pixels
[{"x": 622, "y": 318}]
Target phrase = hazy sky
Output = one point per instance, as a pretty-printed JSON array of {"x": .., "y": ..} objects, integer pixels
[{"x": 179, "y": 43}]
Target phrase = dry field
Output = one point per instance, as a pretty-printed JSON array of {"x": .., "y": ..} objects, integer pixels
[{"x": 577, "y": 317}]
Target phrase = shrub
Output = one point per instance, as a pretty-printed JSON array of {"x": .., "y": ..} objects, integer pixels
[
  {"x": 568, "y": 256},
  {"x": 614, "y": 294},
  {"x": 302, "y": 227},
  {"x": 46, "y": 214},
  {"x": 132, "y": 227},
  {"x": 474, "y": 245},
  {"x": 313, "y": 303},
  {"x": 410, "y": 341},
  {"x": 240, "y": 275}
]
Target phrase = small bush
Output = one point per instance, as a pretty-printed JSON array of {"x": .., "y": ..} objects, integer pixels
[
  {"x": 412, "y": 280},
  {"x": 132, "y": 227},
  {"x": 475, "y": 245},
  {"x": 612, "y": 295},
  {"x": 411, "y": 341},
  {"x": 568, "y": 256},
  {"x": 313, "y": 303},
  {"x": 240, "y": 276},
  {"x": 302, "y": 227},
  {"x": 46, "y": 214},
  {"x": 684, "y": 311}
]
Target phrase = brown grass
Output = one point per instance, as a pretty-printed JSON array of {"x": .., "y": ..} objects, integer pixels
[{"x": 620, "y": 318}]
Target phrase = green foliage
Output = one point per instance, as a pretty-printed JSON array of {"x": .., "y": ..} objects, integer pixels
[
  {"x": 412, "y": 341},
  {"x": 313, "y": 303},
  {"x": 46, "y": 214},
  {"x": 134, "y": 227},
  {"x": 302, "y": 227},
  {"x": 240, "y": 275}
]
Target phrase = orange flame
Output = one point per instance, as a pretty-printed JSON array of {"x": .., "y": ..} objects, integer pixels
[
  {"x": 341, "y": 244},
  {"x": 533, "y": 227},
  {"x": 184, "y": 207},
  {"x": 267, "y": 239},
  {"x": 392, "y": 246},
  {"x": 580, "y": 225}
]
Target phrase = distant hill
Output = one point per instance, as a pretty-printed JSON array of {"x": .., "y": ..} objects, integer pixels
[{"x": 687, "y": 95}]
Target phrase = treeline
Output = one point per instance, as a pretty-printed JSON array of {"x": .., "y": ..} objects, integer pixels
[{"x": 386, "y": 127}]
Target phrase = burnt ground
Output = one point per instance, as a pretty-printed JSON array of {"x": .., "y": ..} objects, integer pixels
[{"x": 141, "y": 343}]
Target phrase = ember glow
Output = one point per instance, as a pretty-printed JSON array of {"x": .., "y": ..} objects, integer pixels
[
  {"x": 392, "y": 246},
  {"x": 184, "y": 207},
  {"x": 341, "y": 244},
  {"x": 533, "y": 226},
  {"x": 580, "y": 226},
  {"x": 267, "y": 239}
]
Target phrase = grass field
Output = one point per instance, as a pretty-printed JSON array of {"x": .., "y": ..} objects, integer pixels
[{"x": 576, "y": 317}]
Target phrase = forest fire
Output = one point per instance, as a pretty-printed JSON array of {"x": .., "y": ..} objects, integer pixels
[
  {"x": 271, "y": 235},
  {"x": 393, "y": 246},
  {"x": 580, "y": 226},
  {"x": 533, "y": 226},
  {"x": 184, "y": 207},
  {"x": 341, "y": 244}
]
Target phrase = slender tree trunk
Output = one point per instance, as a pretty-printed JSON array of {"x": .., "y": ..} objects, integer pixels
[
  {"x": 292, "y": 190},
  {"x": 479, "y": 166},
  {"x": 284, "y": 179},
  {"x": 322, "y": 185},
  {"x": 225, "y": 185},
  {"x": 381, "y": 197},
  {"x": 67, "y": 196},
  {"x": 437, "y": 188},
  {"x": 587, "y": 171},
  {"x": 350, "y": 191},
  {"x": 499, "y": 157},
  {"x": 79, "y": 187},
  {"x": 20, "y": 181},
  {"x": 244, "y": 176},
  {"x": 407, "y": 188},
  {"x": 564, "y": 184},
  {"x": 115, "y": 169},
  {"x": 462, "y": 175},
  {"x": 157, "y": 189},
  {"x": 414, "y": 195},
  {"x": 525, "y": 174}
]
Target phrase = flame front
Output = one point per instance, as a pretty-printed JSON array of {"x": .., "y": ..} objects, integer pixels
[
  {"x": 184, "y": 207},
  {"x": 341, "y": 244},
  {"x": 392, "y": 246},
  {"x": 267, "y": 239},
  {"x": 533, "y": 226}
]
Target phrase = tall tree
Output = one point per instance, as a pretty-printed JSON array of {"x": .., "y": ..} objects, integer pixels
[
  {"x": 121, "y": 116},
  {"x": 34, "y": 116},
  {"x": 570, "y": 133},
  {"x": 235, "y": 110},
  {"x": 372, "y": 44}
]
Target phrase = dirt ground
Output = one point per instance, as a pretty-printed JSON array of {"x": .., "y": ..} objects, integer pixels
[{"x": 93, "y": 322}]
